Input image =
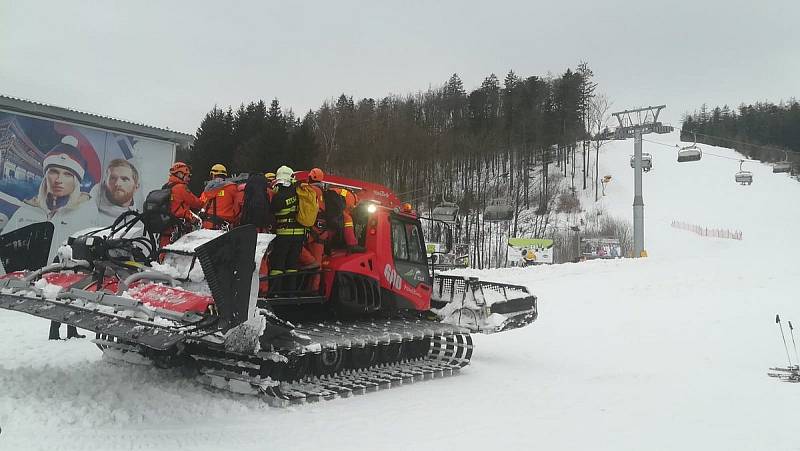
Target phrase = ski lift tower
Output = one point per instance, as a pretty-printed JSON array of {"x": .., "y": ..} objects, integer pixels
[{"x": 637, "y": 123}]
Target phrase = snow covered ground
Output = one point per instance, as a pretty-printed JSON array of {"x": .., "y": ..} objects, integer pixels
[{"x": 668, "y": 352}]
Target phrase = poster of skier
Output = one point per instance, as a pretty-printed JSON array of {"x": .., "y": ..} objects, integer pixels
[{"x": 73, "y": 176}]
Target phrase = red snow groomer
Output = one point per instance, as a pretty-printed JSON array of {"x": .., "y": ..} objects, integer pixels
[{"x": 379, "y": 317}]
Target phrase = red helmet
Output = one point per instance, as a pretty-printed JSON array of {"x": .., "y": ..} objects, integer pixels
[
  {"x": 180, "y": 170},
  {"x": 315, "y": 175}
]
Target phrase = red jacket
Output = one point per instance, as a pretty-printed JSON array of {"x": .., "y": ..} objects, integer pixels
[
  {"x": 222, "y": 200},
  {"x": 182, "y": 200}
]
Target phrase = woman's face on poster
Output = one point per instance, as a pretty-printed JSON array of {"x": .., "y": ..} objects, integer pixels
[{"x": 60, "y": 181}]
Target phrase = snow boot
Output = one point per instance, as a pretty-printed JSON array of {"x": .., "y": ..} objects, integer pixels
[
  {"x": 72, "y": 332},
  {"x": 54, "y": 335}
]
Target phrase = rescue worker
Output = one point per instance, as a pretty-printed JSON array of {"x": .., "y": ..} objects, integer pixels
[
  {"x": 289, "y": 234},
  {"x": 182, "y": 202},
  {"x": 255, "y": 210},
  {"x": 311, "y": 256},
  {"x": 255, "y": 203},
  {"x": 220, "y": 199},
  {"x": 350, "y": 201},
  {"x": 270, "y": 176}
]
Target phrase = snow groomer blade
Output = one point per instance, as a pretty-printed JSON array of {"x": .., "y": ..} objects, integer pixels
[{"x": 228, "y": 263}]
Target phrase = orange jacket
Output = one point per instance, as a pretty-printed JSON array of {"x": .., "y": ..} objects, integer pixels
[
  {"x": 320, "y": 199},
  {"x": 350, "y": 201},
  {"x": 182, "y": 200},
  {"x": 239, "y": 199},
  {"x": 222, "y": 200}
]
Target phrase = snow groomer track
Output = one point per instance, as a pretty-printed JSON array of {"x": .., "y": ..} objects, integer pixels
[{"x": 333, "y": 360}]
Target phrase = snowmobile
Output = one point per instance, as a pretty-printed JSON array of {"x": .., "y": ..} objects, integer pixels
[{"x": 376, "y": 317}]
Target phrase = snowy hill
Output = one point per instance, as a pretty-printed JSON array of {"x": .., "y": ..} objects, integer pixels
[{"x": 668, "y": 352}]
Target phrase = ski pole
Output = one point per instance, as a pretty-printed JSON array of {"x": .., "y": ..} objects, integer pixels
[
  {"x": 791, "y": 331},
  {"x": 778, "y": 320}
]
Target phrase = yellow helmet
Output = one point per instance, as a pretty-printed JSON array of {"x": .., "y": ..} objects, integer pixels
[
  {"x": 270, "y": 176},
  {"x": 218, "y": 170}
]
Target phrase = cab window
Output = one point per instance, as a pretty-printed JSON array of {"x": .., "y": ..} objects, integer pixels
[
  {"x": 407, "y": 242},
  {"x": 416, "y": 253},
  {"x": 399, "y": 246}
]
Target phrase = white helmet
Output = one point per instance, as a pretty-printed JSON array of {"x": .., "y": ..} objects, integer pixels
[{"x": 284, "y": 175}]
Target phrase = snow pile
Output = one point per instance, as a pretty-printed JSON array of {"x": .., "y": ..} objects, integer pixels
[
  {"x": 191, "y": 241},
  {"x": 49, "y": 291},
  {"x": 472, "y": 310},
  {"x": 244, "y": 338}
]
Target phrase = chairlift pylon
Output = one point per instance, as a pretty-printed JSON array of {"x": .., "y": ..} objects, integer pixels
[
  {"x": 743, "y": 177},
  {"x": 647, "y": 162},
  {"x": 690, "y": 153}
]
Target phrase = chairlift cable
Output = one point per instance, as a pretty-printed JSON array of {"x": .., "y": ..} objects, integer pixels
[
  {"x": 704, "y": 152},
  {"x": 411, "y": 191},
  {"x": 769, "y": 148}
]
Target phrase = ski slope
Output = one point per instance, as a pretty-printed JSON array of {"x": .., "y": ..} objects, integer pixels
[{"x": 664, "y": 353}]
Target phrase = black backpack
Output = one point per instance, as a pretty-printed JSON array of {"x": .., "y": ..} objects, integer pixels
[
  {"x": 156, "y": 211},
  {"x": 255, "y": 207},
  {"x": 334, "y": 211}
]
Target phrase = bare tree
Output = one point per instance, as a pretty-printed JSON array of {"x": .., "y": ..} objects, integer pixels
[
  {"x": 326, "y": 123},
  {"x": 599, "y": 120}
]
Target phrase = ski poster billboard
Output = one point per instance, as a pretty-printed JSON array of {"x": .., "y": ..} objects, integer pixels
[
  {"x": 532, "y": 251},
  {"x": 73, "y": 176}
]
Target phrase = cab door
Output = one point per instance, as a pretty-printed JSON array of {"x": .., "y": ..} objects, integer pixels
[{"x": 409, "y": 279}]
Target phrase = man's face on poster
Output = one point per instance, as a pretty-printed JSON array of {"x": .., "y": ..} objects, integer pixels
[
  {"x": 60, "y": 181},
  {"x": 120, "y": 185}
]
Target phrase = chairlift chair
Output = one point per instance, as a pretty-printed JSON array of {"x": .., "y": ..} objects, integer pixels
[
  {"x": 743, "y": 177},
  {"x": 498, "y": 210},
  {"x": 783, "y": 166},
  {"x": 549, "y": 154},
  {"x": 647, "y": 162},
  {"x": 690, "y": 153},
  {"x": 446, "y": 212}
]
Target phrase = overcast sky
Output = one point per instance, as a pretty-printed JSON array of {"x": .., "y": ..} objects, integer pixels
[{"x": 166, "y": 63}]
